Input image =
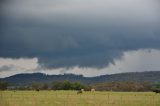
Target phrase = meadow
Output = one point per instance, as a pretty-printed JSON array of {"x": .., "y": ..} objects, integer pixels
[{"x": 71, "y": 98}]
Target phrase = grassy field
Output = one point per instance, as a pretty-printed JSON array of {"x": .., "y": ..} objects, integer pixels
[{"x": 70, "y": 98}]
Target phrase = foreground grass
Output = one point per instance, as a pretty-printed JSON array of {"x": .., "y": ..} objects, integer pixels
[{"x": 70, "y": 98}]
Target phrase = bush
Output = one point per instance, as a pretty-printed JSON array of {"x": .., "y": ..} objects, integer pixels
[
  {"x": 66, "y": 85},
  {"x": 156, "y": 86},
  {"x": 3, "y": 85}
]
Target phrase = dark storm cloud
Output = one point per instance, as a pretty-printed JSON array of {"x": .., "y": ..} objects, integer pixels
[{"x": 77, "y": 33}]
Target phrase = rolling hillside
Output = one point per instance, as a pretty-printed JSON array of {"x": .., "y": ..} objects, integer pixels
[{"x": 25, "y": 79}]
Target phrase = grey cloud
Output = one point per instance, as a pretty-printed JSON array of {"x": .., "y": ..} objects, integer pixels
[
  {"x": 68, "y": 59},
  {"x": 78, "y": 33},
  {"x": 6, "y": 68}
]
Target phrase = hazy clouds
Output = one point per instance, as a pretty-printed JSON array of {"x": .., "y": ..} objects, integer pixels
[{"x": 131, "y": 61}]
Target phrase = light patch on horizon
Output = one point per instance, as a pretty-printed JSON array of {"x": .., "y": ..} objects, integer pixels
[
  {"x": 137, "y": 61},
  {"x": 9, "y": 66},
  {"x": 132, "y": 61}
]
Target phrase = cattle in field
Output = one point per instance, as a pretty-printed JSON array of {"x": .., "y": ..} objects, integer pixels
[
  {"x": 79, "y": 92},
  {"x": 37, "y": 90},
  {"x": 156, "y": 91},
  {"x": 92, "y": 90},
  {"x": 82, "y": 90}
]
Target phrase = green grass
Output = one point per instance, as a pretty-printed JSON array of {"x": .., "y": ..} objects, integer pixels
[{"x": 70, "y": 98}]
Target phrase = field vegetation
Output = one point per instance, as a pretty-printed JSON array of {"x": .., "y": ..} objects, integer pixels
[{"x": 71, "y": 98}]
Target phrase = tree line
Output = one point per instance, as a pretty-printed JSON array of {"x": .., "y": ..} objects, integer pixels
[
  {"x": 124, "y": 86},
  {"x": 66, "y": 85},
  {"x": 58, "y": 85}
]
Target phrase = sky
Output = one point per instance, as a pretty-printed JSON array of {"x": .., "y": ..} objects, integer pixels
[{"x": 88, "y": 37}]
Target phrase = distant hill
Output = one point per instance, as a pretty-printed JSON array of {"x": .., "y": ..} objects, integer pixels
[{"x": 25, "y": 79}]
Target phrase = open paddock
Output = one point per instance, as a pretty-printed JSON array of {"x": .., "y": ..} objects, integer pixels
[{"x": 71, "y": 98}]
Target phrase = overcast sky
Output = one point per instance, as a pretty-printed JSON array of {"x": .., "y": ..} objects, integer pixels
[{"x": 89, "y": 37}]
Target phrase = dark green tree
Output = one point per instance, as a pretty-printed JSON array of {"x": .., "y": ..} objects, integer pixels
[
  {"x": 156, "y": 86},
  {"x": 3, "y": 85},
  {"x": 44, "y": 86},
  {"x": 36, "y": 86},
  {"x": 77, "y": 86}
]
